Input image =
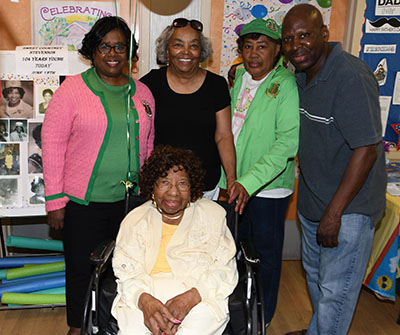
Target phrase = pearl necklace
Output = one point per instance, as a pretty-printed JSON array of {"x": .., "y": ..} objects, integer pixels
[{"x": 167, "y": 215}]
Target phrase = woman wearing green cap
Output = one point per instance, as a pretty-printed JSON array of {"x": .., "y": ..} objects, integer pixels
[{"x": 265, "y": 125}]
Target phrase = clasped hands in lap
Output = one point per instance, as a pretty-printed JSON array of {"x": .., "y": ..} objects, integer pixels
[{"x": 165, "y": 318}]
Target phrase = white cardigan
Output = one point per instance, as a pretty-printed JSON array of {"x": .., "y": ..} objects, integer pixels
[{"x": 200, "y": 253}]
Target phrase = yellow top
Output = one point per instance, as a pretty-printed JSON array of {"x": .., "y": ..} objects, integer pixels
[{"x": 161, "y": 264}]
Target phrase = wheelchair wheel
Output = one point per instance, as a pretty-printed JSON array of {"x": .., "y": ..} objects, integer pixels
[
  {"x": 254, "y": 317},
  {"x": 255, "y": 308},
  {"x": 260, "y": 307},
  {"x": 87, "y": 327},
  {"x": 251, "y": 303}
]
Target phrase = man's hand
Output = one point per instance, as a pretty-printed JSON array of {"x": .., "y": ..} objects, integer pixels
[
  {"x": 238, "y": 193},
  {"x": 231, "y": 75},
  {"x": 328, "y": 230},
  {"x": 56, "y": 218},
  {"x": 354, "y": 177},
  {"x": 157, "y": 316}
]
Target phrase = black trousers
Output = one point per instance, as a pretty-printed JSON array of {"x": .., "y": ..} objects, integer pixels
[{"x": 85, "y": 227}]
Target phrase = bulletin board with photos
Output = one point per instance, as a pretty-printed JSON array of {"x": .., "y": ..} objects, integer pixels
[
  {"x": 23, "y": 104},
  {"x": 25, "y": 93}
]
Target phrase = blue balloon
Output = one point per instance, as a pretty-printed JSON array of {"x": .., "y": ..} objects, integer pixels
[{"x": 259, "y": 11}]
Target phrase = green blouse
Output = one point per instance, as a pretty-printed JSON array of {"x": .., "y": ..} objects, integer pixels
[{"x": 113, "y": 166}]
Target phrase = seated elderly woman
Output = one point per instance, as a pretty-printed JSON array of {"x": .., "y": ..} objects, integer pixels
[{"x": 174, "y": 255}]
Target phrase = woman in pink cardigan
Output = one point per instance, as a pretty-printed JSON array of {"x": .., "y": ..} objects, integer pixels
[{"x": 85, "y": 152}]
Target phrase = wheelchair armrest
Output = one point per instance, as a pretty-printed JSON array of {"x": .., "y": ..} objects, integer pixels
[
  {"x": 249, "y": 252},
  {"x": 102, "y": 253}
]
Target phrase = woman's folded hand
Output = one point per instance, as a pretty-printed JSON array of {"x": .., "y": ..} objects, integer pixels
[
  {"x": 157, "y": 316},
  {"x": 181, "y": 305}
]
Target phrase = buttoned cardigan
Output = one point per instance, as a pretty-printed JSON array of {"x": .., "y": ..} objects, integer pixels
[
  {"x": 74, "y": 135},
  {"x": 200, "y": 253}
]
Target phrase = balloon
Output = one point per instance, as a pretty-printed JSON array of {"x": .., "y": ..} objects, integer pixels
[
  {"x": 286, "y": 1},
  {"x": 162, "y": 7},
  {"x": 259, "y": 11},
  {"x": 238, "y": 29},
  {"x": 325, "y": 3}
]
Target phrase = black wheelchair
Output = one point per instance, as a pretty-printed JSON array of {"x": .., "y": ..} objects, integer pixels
[{"x": 246, "y": 305}]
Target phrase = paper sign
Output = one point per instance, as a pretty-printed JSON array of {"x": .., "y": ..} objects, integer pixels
[
  {"x": 385, "y": 105},
  {"x": 383, "y": 26},
  {"x": 67, "y": 22},
  {"x": 387, "y": 7},
  {"x": 396, "y": 90},
  {"x": 42, "y": 60},
  {"x": 380, "y": 48}
]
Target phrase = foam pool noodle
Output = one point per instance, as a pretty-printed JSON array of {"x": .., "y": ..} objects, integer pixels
[
  {"x": 33, "y": 285},
  {"x": 35, "y": 270},
  {"x": 34, "y": 243},
  {"x": 32, "y": 299},
  {"x": 11, "y": 262},
  {"x": 55, "y": 290},
  {"x": 44, "y": 275}
]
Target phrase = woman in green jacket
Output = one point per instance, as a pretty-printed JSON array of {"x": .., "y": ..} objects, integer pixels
[{"x": 265, "y": 125}]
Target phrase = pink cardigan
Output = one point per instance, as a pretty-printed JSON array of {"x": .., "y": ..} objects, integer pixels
[{"x": 72, "y": 133}]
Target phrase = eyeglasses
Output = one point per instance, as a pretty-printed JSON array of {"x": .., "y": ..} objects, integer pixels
[
  {"x": 165, "y": 185},
  {"x": 119, "y": 48},
  {"x": 182, "y": 22}
]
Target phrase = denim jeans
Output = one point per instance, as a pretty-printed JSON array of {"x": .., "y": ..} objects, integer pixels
[
  {"x": 335, "y": 275},
  {"x": 263, "y": 223}
]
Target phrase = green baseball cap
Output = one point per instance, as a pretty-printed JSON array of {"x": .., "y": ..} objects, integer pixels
[{"x": 267, "y": 27}]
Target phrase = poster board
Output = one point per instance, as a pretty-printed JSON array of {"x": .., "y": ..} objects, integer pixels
[
  {"x": 238, "y": 13},
  {"x": 21, "y": 174},
  {"x": 380, "y": 49},
  {"x": 58, "y": 22}
]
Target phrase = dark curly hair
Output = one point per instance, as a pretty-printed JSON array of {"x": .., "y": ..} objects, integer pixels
[
  {"x": 99, "y": 30},
  {"x": 47, "y": 90},
  {"x": 7, "y": 91},
  {"x": 37, "y": 135},
  {"x": 161, "y": 160}
]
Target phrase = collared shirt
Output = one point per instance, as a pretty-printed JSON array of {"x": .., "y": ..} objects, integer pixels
[{"x": 339, "y": 111}]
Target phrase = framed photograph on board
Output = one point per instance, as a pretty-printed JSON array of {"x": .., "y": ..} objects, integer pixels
[{"x": 16, "y": 99}]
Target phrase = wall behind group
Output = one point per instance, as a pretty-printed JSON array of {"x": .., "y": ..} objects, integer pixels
[
  {"x": 16, "y": 23},
  {"x": 16, "y": 30},
  {"x": 338, "y": 22}
]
